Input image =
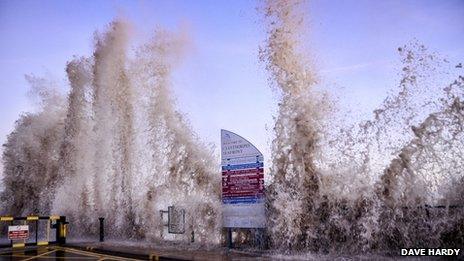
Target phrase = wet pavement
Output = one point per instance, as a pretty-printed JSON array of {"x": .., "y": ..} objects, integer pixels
[
  {"x": 146, "y": 251},
  {"x": 55, "y": 253},
  {"x": 105, "y": 251}
]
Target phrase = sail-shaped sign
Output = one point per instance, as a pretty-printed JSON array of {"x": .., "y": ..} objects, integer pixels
[{"x": 242, "y": 182}]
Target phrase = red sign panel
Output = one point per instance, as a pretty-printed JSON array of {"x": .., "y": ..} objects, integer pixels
[{"x": 243, "y": 183}]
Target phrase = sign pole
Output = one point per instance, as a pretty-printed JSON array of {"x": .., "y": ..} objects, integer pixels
[
  {"x": 11, "y": 241},
  {"x": 36, "y": 231}
]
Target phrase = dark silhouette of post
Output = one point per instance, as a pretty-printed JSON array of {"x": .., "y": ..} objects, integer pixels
[
  {"x": 36, "y": 231},
  {"x": 61, "y": 227},
  {"x": 102, "y": 229},
  {"x": 229, "y": 238}
]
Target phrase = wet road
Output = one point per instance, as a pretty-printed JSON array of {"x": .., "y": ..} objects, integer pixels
[{"x": 55, "y": 253}]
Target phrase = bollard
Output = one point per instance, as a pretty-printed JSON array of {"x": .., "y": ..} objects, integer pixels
[
  {"x": 229, "y": 238},
  {"x": 102, "y": 229},
  {"x": 192, "y": 238}
]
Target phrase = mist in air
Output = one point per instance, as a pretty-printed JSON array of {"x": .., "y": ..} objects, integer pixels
[{"x": 117, "y": 147}]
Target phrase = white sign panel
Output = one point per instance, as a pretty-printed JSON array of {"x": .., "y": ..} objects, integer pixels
[{"x": 242, "y": 182}]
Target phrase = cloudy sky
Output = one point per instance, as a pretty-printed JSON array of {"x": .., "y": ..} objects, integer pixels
[{"x": 221, "y": 83}]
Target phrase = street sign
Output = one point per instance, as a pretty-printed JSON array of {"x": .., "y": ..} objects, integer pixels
[
  {"x": 176, "y": 220},
  {"x": 242, "y": 182},
  {"x": 18, "y": 232}
]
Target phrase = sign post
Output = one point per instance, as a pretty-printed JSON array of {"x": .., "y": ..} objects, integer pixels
[{"x": 242, "y": 183}]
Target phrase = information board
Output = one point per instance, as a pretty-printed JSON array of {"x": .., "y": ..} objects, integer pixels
[
  {"x": 242, "y": 182},
  {"x": 18, "y": 232}
]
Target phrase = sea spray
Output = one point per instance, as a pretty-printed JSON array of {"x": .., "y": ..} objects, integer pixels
[
  {"x": 373, "y": 186},
  {"x": 295, "y": 192},
  {"x": 75, "y": 172},
  {"x": 31, "y": 153},
  {"x": 187, "y": 177},
  {"x": 363, "y": 150},
  {"x": 418, "y": 190},
  {"x": 118, "y": 149},
  {"x": 99, "y": 187},
  {"x": 113, "y": 111}
]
